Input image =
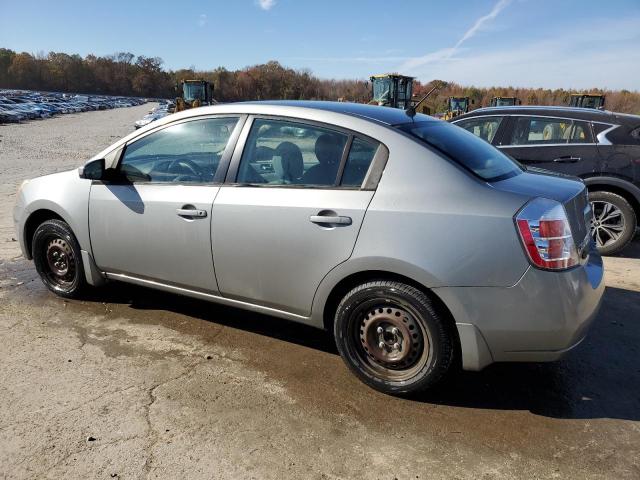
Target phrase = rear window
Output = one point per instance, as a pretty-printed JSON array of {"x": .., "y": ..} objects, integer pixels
[{"x": 465, "y": 148}]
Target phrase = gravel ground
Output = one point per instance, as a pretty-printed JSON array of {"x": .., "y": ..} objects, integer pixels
[{"x": 139, "y": 384}]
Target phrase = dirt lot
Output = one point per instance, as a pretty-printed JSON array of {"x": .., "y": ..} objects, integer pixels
[{"x": 135, "y": 384}]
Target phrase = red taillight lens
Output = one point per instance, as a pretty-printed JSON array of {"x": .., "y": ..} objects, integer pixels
[{"x": 546, "y": 235}]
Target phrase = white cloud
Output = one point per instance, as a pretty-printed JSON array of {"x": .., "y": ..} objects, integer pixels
[
  {"x": 497, "y": 8},
  {"x": 266, "y": 4},
  {"x": 202, "y": 20},
  {"x": 605, "y": 58},
  {"x": 450, "y": 52}
]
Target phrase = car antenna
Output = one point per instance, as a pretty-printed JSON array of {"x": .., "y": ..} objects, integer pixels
[{"x": 411, "y": 109}]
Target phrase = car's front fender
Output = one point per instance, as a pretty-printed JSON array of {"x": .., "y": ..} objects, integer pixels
[{"x": 65, "y": 194}]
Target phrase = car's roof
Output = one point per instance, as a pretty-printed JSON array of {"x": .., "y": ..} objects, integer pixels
[
  {"x": 386, "y": 115},
  {"x": 589, "y": 114}
]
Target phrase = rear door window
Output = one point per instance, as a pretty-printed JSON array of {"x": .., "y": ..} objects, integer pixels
[
  {"x": 484, "y": 127},
  {"x": 280, "y": 152},
  {"x": 549, "y": 131}
]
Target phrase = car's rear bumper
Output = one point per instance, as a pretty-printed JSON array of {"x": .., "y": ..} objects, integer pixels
[{"x": 539, "y": 318}]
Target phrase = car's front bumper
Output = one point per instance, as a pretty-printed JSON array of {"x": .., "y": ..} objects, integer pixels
[{"x": 539, "y": 318}]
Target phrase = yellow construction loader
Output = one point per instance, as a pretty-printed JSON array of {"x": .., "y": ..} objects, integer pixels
[
  {"x": 391, "y": 90},
  {"x": 193, "y": 94},
  {"x": 587, "y": 100},
  {"x": 457, "y": 106},
  {"x": 504, "y": 102}
]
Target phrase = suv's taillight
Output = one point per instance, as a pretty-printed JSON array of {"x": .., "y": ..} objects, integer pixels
[{"x": 546, "y": 235}]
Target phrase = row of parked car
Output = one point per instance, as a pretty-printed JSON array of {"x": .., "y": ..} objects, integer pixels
[
  {"x": 19, "y": 105},
  {"x": 159, "y": 111}
]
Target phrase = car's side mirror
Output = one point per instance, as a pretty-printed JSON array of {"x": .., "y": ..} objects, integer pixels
[{"x": 93, "y": 170}]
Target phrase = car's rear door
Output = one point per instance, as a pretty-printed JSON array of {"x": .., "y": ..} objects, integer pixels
[
  {"x": 558, "y": 144},
  {"x": 291, "y": 210},
  {"x": 153, "y": 219}
]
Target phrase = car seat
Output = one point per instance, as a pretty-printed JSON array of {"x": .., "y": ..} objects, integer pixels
[{"x": 328, "y": 150}]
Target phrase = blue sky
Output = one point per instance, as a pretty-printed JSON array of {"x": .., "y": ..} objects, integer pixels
[{"x": 531, "y": 43}]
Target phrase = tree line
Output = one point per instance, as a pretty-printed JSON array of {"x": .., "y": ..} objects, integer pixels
[{"x": 124, "y": 73}]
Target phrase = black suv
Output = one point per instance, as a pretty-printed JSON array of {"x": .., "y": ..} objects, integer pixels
[{"x": 600, "y": 147}]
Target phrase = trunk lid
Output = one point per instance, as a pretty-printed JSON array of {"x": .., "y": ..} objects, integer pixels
[{"x": 570, "y": 191}]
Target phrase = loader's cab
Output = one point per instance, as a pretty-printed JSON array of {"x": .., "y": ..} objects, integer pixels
[
  {"x": 587, "y": 100},
  {"x": 391, "y": 90},
  {"x": 504, "y": 102},
  {"x": 193, "y": 93},
  {"x": 457, "y": 106}
]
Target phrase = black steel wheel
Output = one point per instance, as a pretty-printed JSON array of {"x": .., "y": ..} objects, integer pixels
[
  {"x": 613, "y": 224},
  {"x": 393, "y": 338},
  {"x": 57, "y": 258}
]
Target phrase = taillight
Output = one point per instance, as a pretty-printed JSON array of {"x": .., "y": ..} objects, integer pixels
[{"x": 544, "y": 228}]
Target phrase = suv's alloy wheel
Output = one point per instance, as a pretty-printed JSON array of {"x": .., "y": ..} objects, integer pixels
[{"x": 613, "y": 224}]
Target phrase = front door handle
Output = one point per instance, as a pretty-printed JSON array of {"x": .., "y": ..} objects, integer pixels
[
  {"x": 330, "y": 220},
  {"x": 567, "y": 159},
  {"x": 191, "y": 212}
]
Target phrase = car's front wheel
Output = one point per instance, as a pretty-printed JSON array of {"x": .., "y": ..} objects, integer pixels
[
  {"x": 613, "y": 224},
  {"x": 57, "y": 258},
  {"x": 393, "y": 338}
]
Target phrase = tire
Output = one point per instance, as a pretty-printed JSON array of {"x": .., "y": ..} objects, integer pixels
[
  {"x": 368, "y": 315},
  {"x": 614, "y": 222},
  {"x": 57, "y": 257}
]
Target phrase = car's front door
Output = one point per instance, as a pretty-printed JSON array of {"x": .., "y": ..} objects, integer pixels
[
  {"x": 557, "y": 144},
  {"x": 152, "y": 220},
  {"x": 291, "y": 213}
]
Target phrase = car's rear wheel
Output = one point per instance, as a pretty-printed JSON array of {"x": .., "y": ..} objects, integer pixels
[
  {"x": 393, "y": 338},
  {"x": 57, "y": 258},
  {"x": 614, "y": 221}
]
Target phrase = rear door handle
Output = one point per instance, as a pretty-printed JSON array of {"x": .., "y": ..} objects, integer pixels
[
  {"x": 191, "y": 212},
  {"x": 567, "y": 159},
  {"x": 330, "y": 220}
]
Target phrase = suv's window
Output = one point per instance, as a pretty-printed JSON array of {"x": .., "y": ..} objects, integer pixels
[
  {"x": 463, "y": 147},
  {"x": 280, "y": 152},
  {"x": 544, "y": 131},
  {"x": 581, "y": 132},
  {"x": 484, "y": 127},
  {"x": 360, "y": 156},
  {"x": 188, "y": 152}
]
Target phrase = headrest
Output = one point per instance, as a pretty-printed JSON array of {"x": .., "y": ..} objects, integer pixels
[
  {"x": 287, "y": 162},
  {"x": 328, "y": 149}
]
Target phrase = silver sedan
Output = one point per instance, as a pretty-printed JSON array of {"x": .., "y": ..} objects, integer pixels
[{"x": 417, "y": 244}]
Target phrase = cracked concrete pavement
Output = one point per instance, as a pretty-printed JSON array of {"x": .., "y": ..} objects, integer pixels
[{"x": 132, "y": 383}]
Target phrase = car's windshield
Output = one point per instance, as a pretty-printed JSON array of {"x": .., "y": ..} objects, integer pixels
[{"x": 465, "y": 148}]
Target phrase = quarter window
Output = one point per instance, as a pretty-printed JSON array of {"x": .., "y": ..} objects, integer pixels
[
  {"x": 286, "y": 153},
  {"x": 188, "y": 152},
  {"x": 360, "y": 157},
  {"x": 485, "y": 128},
  {"x": 543, "y": 131}
]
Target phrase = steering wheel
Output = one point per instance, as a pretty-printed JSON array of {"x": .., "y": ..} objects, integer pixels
[{"x": 183, "y": 164}]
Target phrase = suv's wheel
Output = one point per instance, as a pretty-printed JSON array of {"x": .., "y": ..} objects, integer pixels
[
  {"x": 391, "y": 336},
  {"x": 614, "y": 222},
  {"x": 56, "y": 255}
]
